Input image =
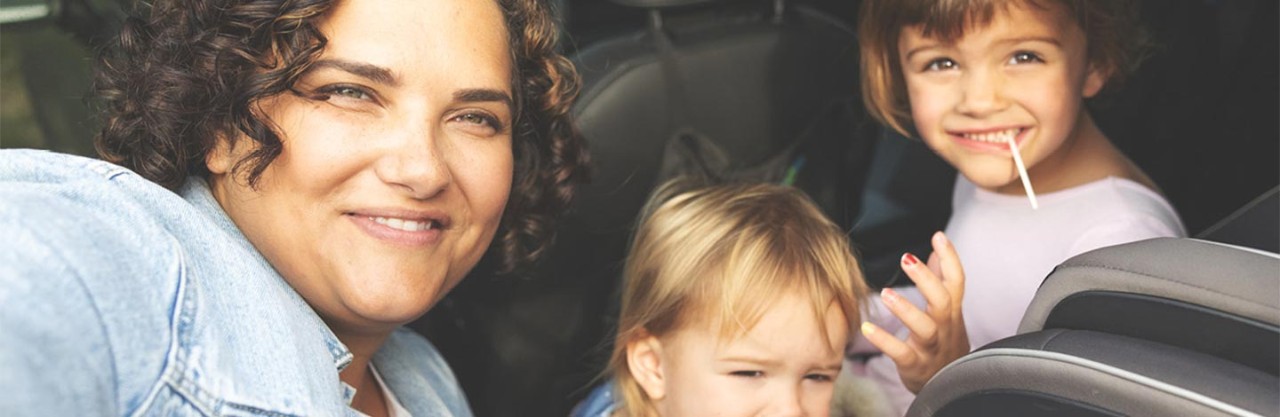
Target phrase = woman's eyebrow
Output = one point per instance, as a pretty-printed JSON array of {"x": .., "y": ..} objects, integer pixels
[
  {"x": 372, "y": 72},
  {"x": 472, "y": 95}
]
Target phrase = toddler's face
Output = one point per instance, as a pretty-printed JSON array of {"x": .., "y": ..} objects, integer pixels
[
  {"x": 1023, "y": 76},
  {"x": 781, "y": 367}
]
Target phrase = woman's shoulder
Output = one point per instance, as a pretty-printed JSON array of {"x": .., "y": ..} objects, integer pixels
[{"x": 86, "y": 292}]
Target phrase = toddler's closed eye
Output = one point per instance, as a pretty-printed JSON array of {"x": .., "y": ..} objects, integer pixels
[
  {"x": 747, "y": 374},
  {"x": 820, "y": 377}
]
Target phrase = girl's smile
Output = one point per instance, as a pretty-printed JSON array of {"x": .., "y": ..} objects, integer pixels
[{"x": 990, "y": 140}]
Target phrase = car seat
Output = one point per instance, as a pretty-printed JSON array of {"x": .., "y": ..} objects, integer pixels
[{"x": 1159, "y": 327}]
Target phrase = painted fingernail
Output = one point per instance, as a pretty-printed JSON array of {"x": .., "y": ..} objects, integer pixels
[
  {"x": 889, "y": 296},
  {"x": 909, "y": 259},
  {"x": 867, "y": 328}
]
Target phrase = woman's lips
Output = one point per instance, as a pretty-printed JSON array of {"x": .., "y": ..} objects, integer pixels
[{"x": 405, "y": 230}]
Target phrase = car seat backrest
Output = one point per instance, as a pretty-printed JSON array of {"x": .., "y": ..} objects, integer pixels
[
  {"x": 1060, "y": 372},
  {"x": 752, "y": 82},
  {"x": 1182, "y": 292},
  {"x": 1163, "y": 326}
]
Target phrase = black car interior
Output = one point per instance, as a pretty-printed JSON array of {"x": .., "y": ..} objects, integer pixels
[{"x": 768, "y": 89}]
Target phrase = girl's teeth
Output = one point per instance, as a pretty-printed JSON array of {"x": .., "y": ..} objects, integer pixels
[
  {"x": 993, "y": 137},
  {"x": 402, "y": 224}
]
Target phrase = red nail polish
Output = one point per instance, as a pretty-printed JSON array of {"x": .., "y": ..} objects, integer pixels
[{"x": 910, "y": 259}]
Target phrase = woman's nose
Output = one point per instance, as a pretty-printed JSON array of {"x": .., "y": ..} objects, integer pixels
[
  {"x": 980, "y": 94},
  {"x": 417, "y": 163}
]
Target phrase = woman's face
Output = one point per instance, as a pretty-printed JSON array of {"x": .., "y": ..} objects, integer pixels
[{"x": 396, "y": 164}]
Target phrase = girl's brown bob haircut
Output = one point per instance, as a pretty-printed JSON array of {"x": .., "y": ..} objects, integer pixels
[{"x": 1116, "y": 42}]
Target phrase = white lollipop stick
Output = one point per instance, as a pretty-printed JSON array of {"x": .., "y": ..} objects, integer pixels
[{"x": 1022, "y": 172}]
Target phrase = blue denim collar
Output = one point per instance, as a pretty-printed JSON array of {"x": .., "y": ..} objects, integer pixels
[{"x": 196, "y": 192}]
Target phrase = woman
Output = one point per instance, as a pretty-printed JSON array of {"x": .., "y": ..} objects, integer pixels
[{"x": 338, "y": 167}]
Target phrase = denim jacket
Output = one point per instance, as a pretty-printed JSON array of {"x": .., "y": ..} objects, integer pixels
[{"x": 119, "y": 297}]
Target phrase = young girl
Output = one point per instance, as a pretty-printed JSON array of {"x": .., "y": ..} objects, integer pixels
[
  {"x": 737, "y": 300},
  {"x": 983, "y": 82}
]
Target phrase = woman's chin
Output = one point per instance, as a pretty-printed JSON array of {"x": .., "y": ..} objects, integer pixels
[{"x": 389, "y": 308}]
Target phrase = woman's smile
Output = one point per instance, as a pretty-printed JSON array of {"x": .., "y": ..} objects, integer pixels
[{"x": 402, "y": 227}]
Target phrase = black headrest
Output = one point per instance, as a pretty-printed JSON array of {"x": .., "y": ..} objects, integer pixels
[{"x": 658, "y": 4}]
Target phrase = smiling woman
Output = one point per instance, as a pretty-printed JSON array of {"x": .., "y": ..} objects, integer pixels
[{"x": 307, "y": 181}]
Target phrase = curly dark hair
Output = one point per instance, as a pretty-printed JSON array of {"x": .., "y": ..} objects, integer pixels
[{"x": 183, "y": 74}]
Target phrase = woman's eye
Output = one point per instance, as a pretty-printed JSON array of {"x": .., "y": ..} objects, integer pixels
[
  {"x": 1024, "y": 57},
  {"x": 475, "y": 119},
  {"x": 345, "y": 91},
  {"x": 748, "y": 374},
  {"x": 479, "y": 123},
  {"x": 940, "y": 64}
]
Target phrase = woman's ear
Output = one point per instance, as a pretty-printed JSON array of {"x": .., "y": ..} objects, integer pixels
[
  {"x": 220, "y": 159},
  {"x": 644, "y": 358},
  {"x": 1094, "y": 80}
]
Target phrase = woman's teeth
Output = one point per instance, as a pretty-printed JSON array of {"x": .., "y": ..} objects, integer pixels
[
  {"x": 993, "y": 137},
  {"x": 405, "y": 225}
]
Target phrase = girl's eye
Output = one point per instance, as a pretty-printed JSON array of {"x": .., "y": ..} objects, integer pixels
[
  {"x": 940, "y": 64},
  {"x": 748, "y": 374},
  {"x": 1024, "y": 57}
]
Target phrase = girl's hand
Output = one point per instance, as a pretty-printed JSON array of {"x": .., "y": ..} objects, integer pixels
[{"x": 937, "y": 335}]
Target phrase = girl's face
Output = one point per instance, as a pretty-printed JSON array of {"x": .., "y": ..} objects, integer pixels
[
  {"x": 397, "y": 161},
  {"x": 781, "y": 367},
  {"x": 1023, "y": 76}
]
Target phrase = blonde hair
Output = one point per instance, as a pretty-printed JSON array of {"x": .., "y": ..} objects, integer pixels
[
  {"x": 725, "y": 252},
  {"x": 1115, "y": 41}
]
